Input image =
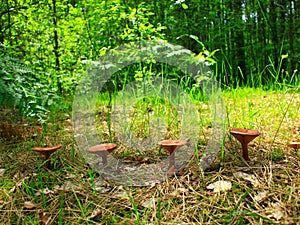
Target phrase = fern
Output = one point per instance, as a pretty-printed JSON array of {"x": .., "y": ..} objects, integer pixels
[{"x": 21, "y": 88}]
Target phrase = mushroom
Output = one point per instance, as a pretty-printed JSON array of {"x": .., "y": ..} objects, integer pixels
[
  {"x": 295, "y": 145},
  {"x": 171, "y": 146},
  {"x": 47, "y": 152},
  {"x": 244, "y": 136},
  {"x": 102, "y": 150}
]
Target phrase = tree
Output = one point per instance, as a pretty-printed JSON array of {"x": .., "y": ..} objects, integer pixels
[{"x": 54, "y": 37}]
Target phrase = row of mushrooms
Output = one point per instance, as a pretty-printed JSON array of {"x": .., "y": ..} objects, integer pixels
[{"x": 244, "y": 136}]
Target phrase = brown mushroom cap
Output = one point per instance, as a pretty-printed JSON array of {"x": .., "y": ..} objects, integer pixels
[
  {"x": 244, "y": 135},
  {"x": 295, "y": 145},
  {"x": 99, "y": 149},
  {"x": 47, "y": 151},
  {"x": 102, "y": 150},
  {"x": 170, "y": 145}
]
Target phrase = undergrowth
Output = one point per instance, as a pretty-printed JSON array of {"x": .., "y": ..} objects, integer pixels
[{"x": 72, "y": 193}]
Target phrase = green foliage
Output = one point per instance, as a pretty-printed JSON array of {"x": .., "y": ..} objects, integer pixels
[
  {"x": 140, "y": 27},
  {"x": 277, "y": 154},
  {"x": 21, "y": 87},
  {"x": 55, "y": 37}
]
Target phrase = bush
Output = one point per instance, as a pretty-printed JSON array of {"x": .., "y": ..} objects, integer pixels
[{"x": 22, "y": 88}]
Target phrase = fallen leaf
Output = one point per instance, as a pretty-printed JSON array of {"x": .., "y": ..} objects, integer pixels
[
  {"x": 182, "y": 190},
  {"x": 2, "y": 171},
  {"x": 56, "y": 188},
  {"x": 34, "y": 174},
  {"x": 67, "y": 186},
  {"x": 277, "y": 215},
  {"x": 149, "y": 203},
  {"x": 29, "y": 205},
  {"x": 45, "y": 191},
  {"x": 96, "y": 213},
  {"x": 13, "y": 189},
  {"x": 102, "y": 189},
  {"x": 219, "y": 186},
  {"x": 121, "y": 193},
  {"x": 261, "y": 196},
  {"x": 71, "y": 176},
  {"x": 178, "y": 192},
  {"x": 275, "y": 211},
  {"x": 45, "y": 219},
  {"x": 248, "y": 177}
]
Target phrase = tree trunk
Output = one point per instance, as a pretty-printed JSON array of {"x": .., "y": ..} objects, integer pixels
[
  {"x": 275, "y": 40},
  {"x": 56, "y": 48},
  {"x": 292, "y": 61}
]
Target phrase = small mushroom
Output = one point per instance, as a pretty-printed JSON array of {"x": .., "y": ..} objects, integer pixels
[
  {"x": 47, "y": 152},
  {"x": 102, "y": 150},
  {"x": 295, "y": 145},
  {"x": 171, "y": 146},
  {"x": 244, "y": 136}
]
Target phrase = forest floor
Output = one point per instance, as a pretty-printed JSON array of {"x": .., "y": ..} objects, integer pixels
[{"x": 264, "y": 190}]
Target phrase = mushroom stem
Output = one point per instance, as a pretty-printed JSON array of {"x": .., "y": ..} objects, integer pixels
[
  {"x": 245, "y": 151},
  {"x": 102, "y": 150},
  {"x": 47, "y": 159},
  {"x": 171, "y": 146},
  {"x": 244, "y": 136},
  {"x": 172, "y": 158},
  {"x": 47, "y": 153},
  {"x": 104, "y": 158},
  {"x": 48, "y": 164}
]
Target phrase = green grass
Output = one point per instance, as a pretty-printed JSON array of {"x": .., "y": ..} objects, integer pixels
[
  {"x": 76, "y": 192},
  {"x": 72, "y": 193}
]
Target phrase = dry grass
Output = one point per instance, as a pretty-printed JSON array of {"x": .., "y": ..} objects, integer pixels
[{"x": 71, "y": 193}]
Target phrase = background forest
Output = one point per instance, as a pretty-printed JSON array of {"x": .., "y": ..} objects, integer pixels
[
  {"x": 257, "y": 42},
  {"x": 47, "y": 47}
]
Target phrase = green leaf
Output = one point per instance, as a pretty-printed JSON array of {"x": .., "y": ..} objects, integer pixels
[
  {"x": 194, "y": 37},
  {"x": 213, "y": 52},
  {"x": 184, "y": 6},
  {"x": 197, "y": 39}
]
